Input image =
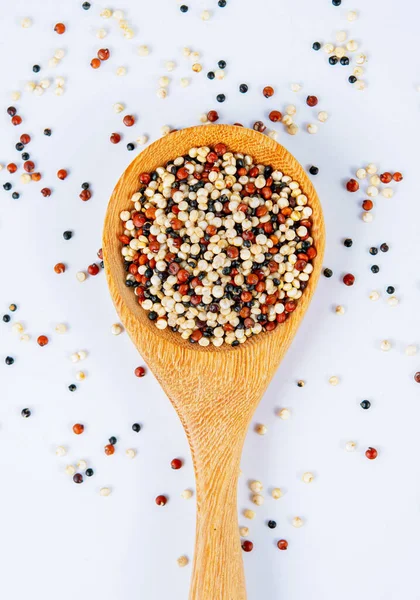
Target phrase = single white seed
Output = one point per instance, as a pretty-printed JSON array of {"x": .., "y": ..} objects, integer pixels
[
  {"x": 101, "y": 34},
  {"x": 45, "y": 83},
  {"x": 170, "y": 65},
  {"x": 184, "y": 81},
  {"x": 295, "y": 87},
  {"x": 351, "y": 446},
  {"x": 26, "y": 22},
  {"x": 130, "y": 452},
  {"x": 249, "y": 514},
  {"x": 260, "y": 429},
  {"x": 256, "y": 486},
  {"x": 276, "y": 493},
  {"x": 341, "y": 36},
  {"x": 361, "y": 173},
  {"x": 80, "y": 376},
  {"x": 59, "y": 54},
  {"x": 142, "y": 139},
  {"x": 164, "y": 130},
  {"x": 61, "y": 328},
  {"x": 74, "y": 357},
  {"x": 272, "y": 134},
  {"x": 258, "y": 499},
  {"x": 371, "y": 169},
  {"x": 143, "y": 51},
  {"x": 352, "y": 46},
  {"x": 186, "y": 494},
  {"x": 351, "y": 16},
  {"x": 60, "y": 451},
  {"x": 372, "y": 191},
  {"x": 186, "y": 52},
  {"x": 118, "y": 14},
  {"x": 80, "y": 276},
  {"x": 361, "y": 59},
  {"x": 290, "y": 109},
  {"x": 323, "y": 116},
  {"x": 70, "y": 470},
  {"x": 25, "y": 337},
  {"x": 58, "y": 91},
  {"x": 106, "y": 13},
  {"x": 121, "y": 71},
  {"x": 82, "y": 354},
  {"x": 283, "y": 413},
  {"x": 182, "y": 561},
  {"x": 17, "y": 328},
  {"x": 243, "y": 531},
  {"x": 118, "y": 107},
  {"x": 297, "y": 522},
  {"x": 374, "y": 296},
  {"x": 82, "y": 464},
  {"x": 307, "y": 477},
  {"x": 367, "y": 217},
  {"x": 104, "y": 491},
  {"x": 340, "y": 310},
  {"x": 328, "y": 48},
  {"x": 387, "y": 192},
  {"x": 392, "y": 301},
  {"x": 59, "y": 81},
  {"x": 292, "y": 129},
  {"x": 116, "y": 329},
  {"x": 411, "y": 350},
  {"x": 161, "y": 93},
  {"x": 334, "y": 380},
  {"x": 312, "y": 128},
  {"x": 164, "y": 81},
  {"x": 15, "y": 95},
  {"x": 360, "y": 85},
  {"x": 385, "y": 346},
  {"x": 38, "y": 91},
  {"x": 205, "y": 15}
]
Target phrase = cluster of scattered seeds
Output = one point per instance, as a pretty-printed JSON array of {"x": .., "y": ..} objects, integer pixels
[{"x": 216, "y": 247}]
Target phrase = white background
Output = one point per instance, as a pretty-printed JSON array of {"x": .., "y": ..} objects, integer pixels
[{"x": 362, "y": 520}]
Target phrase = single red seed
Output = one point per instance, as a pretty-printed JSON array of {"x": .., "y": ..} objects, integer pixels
[
  {"x": 371, "y": 453},
  {"x": 36, "y": 176},
  {"x": 42, "y": 340},
  {"x": 352, "y": 185},
  {"x": 12, "y": 168},
  {"x": 367, "y": 205},
  {"x": 290, "y": 306},
  {"x": 60, "y": 28},
  {"x": 59, "y": 268},
  {"x": 109, "y": 449},
  {"x": 176, "y": 463},
  {"x": 397, "y": 176},
  {"x": 417, "y": 377},
  {"x": 268, "y": 91},
  {"x": 259, "y": 126},
  {"x": 46, "y": 192},
  {"x": 29, "y": 166},
  {"x": 103, "y": 54},
  {"x": 385, "y": 177},
  {"x": 311, "y": 100},
  {"x": 220, "y": 149},
  {"x": 140, "y": 372},
  {"x": 78, "y": 428},
  {"x": 282, "y": 545},
  {"x": 78, "y": 478},
  {"x": 212, "y": 116},
  {"x": 182, "y": 275},
  {"x": 129, "y": 120},
  {"x": 85, "y": 195},
  {"x": 16, "y": 120},
  {"x": 95, "y": 63},
  {"x": 182, "y": 173},
  {"x": 161, "y": 500},
  {"x": 93, "y": 269},
  {"x": 62, "y": 174},
  {"x": 25, "y": 138},
  {"x": 247, "y": 546},
  {"x": 275, "y": 116},
  {"x": 115, "y": 138},
  {"x": 144, "y": 178},
  {"x": 348, "y": 279}
]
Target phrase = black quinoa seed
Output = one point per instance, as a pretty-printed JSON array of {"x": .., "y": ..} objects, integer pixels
[
  {"x": 19, "y": 146},
  {"x": 7, "y": 186},
  {"x": 344, "y": 60},
  {"x": 6, "y": 318},
  {"x": 373, "y": 251},
  {"x": 348, "y": 242},
  {"x": 85, "y": 185},
  {"x": 390, "y": 289},
  {"x": 130, "y": 147},
  {"x": 333, "y": 60},
  {"x": 210, "y": 75},
  {"x": 183, "y": 8},
  {"x": 316, "y": 46},
  {"x": 243, "y": 88},
  {"x": 336, "y": 2},
  {"x": 222, "y": 64},
  {"x": 374, "y": 269},
  {"x": 136, "y": 427},
  {"x": 86, "y": 5},
  {"x": 313, "y": 170},
  {"x": 365, "y": 404},
  {"x": 272, "y": 524},
  {"x": 25, "y": 156},
  {"x": 67, "y": 235},
  {"x": 352, "y": 79},
  {"x": 89, "y": 472},
  {"x": 220, "y": 97},
  {"x": 26, "y": 413},
  {"x": 9, "y": 360},
  {"x": 36, "y": 68},
  {"x": 327, "y": 273},
  {"x": 222, "y": 3},
  {"x": 47, "y": 132},
  {"x": 112, "y": 440},
  {"x": 384, "y": 247},
  {"x": 15, "y": 196},
  {"x": 72, "y": 387}
]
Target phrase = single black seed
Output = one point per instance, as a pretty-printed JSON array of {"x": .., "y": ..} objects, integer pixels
[
  {"x": 112, "y": 440},
  {"x": 25, "y": 412},
  {"x": 6, "y": 318},
  {"x": 313, "y": 170},
  {"x": 183, "y": 8},
  {"x": 390, "y": 289},
  {"x": 130, "y": 146},
  {"x": 348, "y": 242},
  {"x": 220, "y": 97},
  {"x": 384, "y": 247},
  {"x": 67, "y": 235},
  {"x": 336, "y": 2},
  {"x": 333, "y": 60},
  {"x": 272, "y": 524},
  {"x": 11, "y": 111},
  {"x": 36, "y": 68},
  {"x": 344, "y": 60},
  {"x": 365, "y": 404},
  {"x": 222, "y": 3},
  {"x": 374, "y": 269},
  {"x": 243, "y": 88},
  {"x": 316, "y": 46},
  {"x": 136, "y": 427},
  {"x": 373, "y": 251},
  {"x": 210, "y": 75},
  {"x": 352, "y": 79},
  {"x": 72, "y": 387},
  {"x": 85, "y": 185},
  {"x": 89, "y": 472},
  {"x": 222, "y": 64},
  {"x": 86, "y": 5},
  {"x": 7, "y": 186},
  {"x": 9, "y": 360},
  {"x": 47, "y": 132},
  {"x": 328, "y": 273},
  {"x": 15, "y": 196},
  {"x": 25, "y": 156},
  {"x": 19, "y": 146}
]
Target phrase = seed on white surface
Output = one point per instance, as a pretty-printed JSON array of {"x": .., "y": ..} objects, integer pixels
[
  {"x": 141, "y": 140},
  {"x": 25, "y": 178},
  {"x": 249, "y": 514},
  {"x": 258, "y": 499},
  {"x": 361, "y": 173},
  {"x": 292, "y": 129},
  {"x": 70, "y": 470},
  {"x": 118, "y": 15},
  {"x": 25, "y": 337},
  {"x": 118, "y": 107},
  {"x": 130, "y": 452},
  {"x": 312, "y": 128},
  {"x": 164, "y": 130},
  {"x": 15, "y": 95},
  {"x": 170, "y": 65},
  {"x": 358, "y": 71},
  {"x": 360, "y": 85},
  {"x": 80, "y": 376},
  {"x": 411, "y": 350},
  {"x": 340, "y": 310},
  {"x": 182, "y": 561},
  {"x": 352, "y": 46},
  {"x": 372, "y": 191},
  {"x": 60, "y": 328},
  {"x": 351, "y": 16},
  {"x": 219, "y": 74},
  {"x": 26, "y": 22},
  {"x": 205, "y": 15},
  {"x": 243, "y": 531},
  {"x": 161, "y": 93},
  {"x": 340, "y": 52},
  {"x": 116, "y": 329},
  {"x": 82, "y": 464},
  {"x": 164, "y": 81},
  {"x": 351, "y": 446},
  {"x": 29, "y": 86},
  {"x": 106, "y": 13},
  {"x": 307, "y": 477},
  {"x": 105, "y": 491},
  {"x": 371, "y": 169},
  {"x": 287, "y": 120},
  {"x": 59, "y": 54},
  {"x": 374, "y": 180},
  {"x": 361, "y": 59},
  {"x": 58, "y": 91},
  {"x": 74, "y": 357},
  {"x": 143, "y": 51},
  {"x": 82, "y": 354},
  {"x": 297, "y": 522},
  {"x": 385, "y": 345},
  {"x": 60, "y": 451},
  {"x": 272, "y": 134},
  {"x": 184, "y": 81},
  {"x": 374, "y": 295},
  {"x": 260, "y": 429},
  {"x": 295, "y": 87},
  {"x": 334, "y": 380},
  {"x": 276, "y": 493},
  {"x": 328, "y": 48},
  {"x": 256, "y": 486},
  {"x": 367, "y": 217},
  {"x": 80, "y": 276},
  {"x": 392, "y": 301},
  {"x": 128, "y": 33},
  {"x": 203, "y": 118},
  {"x": 323, "y": 116},
  {"x": 17, "y": 328},
  {"x": 290, "y": 109},
  {"x": 283, "y": 413},
  {"x": 186, "y": 52},
  {"x": 59, "y": 81},
  {"x": 53, "y": 62},
  {"x": 387, "y": 192},
  {"x": 121, "y": 71},
  {"x": 45, "y": 83},
  {"x": 186, "y": 494},
  {"x": 341, "y": 36},
  {"x": 101, "y": 34}
]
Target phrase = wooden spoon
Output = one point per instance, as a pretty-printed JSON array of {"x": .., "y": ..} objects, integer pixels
[{"x": 215, "y": 391}]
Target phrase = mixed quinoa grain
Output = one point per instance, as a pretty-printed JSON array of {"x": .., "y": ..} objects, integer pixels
[{"x": 217, "y": 247}]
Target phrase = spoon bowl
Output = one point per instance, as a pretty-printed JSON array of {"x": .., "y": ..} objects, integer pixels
[{"x": 215, "y": 391}]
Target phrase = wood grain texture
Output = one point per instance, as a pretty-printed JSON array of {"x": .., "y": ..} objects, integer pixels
[{"x": 215, "y": 391}]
